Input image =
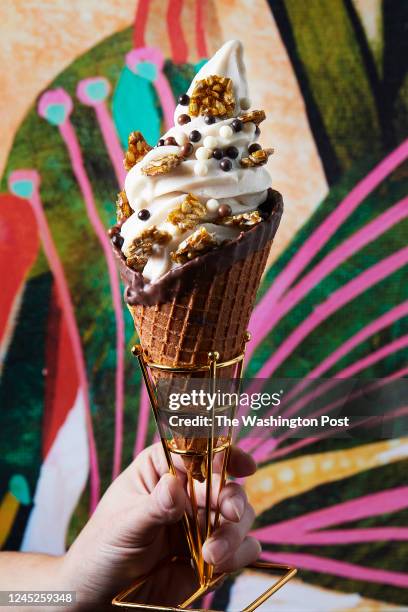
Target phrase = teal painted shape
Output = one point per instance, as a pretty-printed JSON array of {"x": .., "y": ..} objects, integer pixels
[
  {"x": 136, "y": 107},
  {"x": 18, "y": 486},
  {"x": 23, "y": 189},
  {"x": 56, "y": 114},
  {"x": 200, "y": 64},
  {"x": 97, "y": 91},
  {"x": 147, "y": 70}
]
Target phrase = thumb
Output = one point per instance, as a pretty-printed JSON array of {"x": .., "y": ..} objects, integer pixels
[{"x": 164, "y": 506}]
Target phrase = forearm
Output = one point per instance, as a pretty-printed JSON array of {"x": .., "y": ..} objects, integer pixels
[{"x": 33, "y": 572}]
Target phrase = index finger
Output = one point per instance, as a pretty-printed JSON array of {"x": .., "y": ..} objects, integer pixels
[{"x": 240, "y": 464}]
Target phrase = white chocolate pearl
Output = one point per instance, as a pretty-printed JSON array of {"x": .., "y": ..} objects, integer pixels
[
  {"x": 200, "y": 168},
  {"x": 181, "y": 138},
  {"x": 202, "y": 153},
  {"x": 212, "y": 205},
  {"x": 210, "y": 142},
  {"x": 245, "y": 103},
  {"x": 226, "y": 131}
]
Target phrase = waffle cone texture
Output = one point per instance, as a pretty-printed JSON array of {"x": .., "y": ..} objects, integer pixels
[
  {"x": 214, "y": 315},
  {"x": 205, "y": 304}
]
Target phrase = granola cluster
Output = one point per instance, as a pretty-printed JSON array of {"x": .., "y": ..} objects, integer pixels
[
  {"x": 123, "y": 209},
  {"x": 214, "y": 96},
  {"x": 197, "y": 244},
  {"x": 256, "y": 116},
  {"x": 162, "y": 164},
  {"x": 137, "y": 149},
  {"x": 187, "y": 214},
  {"x": 142, "y": 247},
  {"x": 257, "y": 158},
  {"x": 243, "y": 221}
]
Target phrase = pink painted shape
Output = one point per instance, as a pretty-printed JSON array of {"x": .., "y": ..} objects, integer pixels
[
  {"x": 338, "y": 568},
  {"x": 259, "y": 326},
  {"x": 144, "y": 54},
  {"x": 166, "y": 99},
  {"x": 346, "y": 249},
  {"x": 111, "y": 140},
  {"x": 369, "y": 330},
  {"x": 262, "y": 451},
  {"x": 106, "y": 126},
  {"x": 373, "y": 504},
  {"x": 143, "y": 422},
  {"x": 69, "y": 136},
  {"x": 54, "y": 96},
  {"x": 335, "y": 536},
  {"x": 335, "y": 301},
  {"x": 375, "y": 326},
  {"x": 69, "y": 314},
  {"x": 161, "y": 84},
  {"x": 287, "y": 450}
]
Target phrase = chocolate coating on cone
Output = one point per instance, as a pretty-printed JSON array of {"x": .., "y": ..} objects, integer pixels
[{"x": 185, "y": 277}]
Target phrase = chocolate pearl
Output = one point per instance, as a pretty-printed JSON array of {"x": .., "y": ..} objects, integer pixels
[
  {"x": 113, "y": 230},
  {"x": 184, "y": 99},
  {"x": 224, "y": 210},
  {"x": 231, "y": 152},
  {"x": 209, "y": 119},
  {"x": 161, "y": 142},
  {"x": 257, "y": 130},
  {"x": 225, "y": 164},
  {"x": 236, "y": 125},
  {"x": 187, "y": 149},
  {"x": 117, "y": 240},
  {"x": 143, "y": 214},
  {"x": 170, "y": 142},
  {"x": 195, "y": 136},
  {"x": 254, "y": 147},
  {"x": 218, "y": 153},
  {"x": 183, "y": 119}
]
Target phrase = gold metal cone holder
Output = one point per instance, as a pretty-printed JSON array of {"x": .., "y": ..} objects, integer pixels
[{"x": 206, "y": 579}]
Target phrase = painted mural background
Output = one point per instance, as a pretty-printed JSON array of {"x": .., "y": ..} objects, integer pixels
[{"x": 334, "y": 301}]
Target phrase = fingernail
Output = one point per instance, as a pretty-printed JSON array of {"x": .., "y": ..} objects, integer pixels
[
  {"x": 165, "y": 496},
  {"x": 217, "y": 550},
  {"x": 238, "y": 506}
]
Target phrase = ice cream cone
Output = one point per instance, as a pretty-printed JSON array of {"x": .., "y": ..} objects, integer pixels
[
  {"x": 196, "y": 222},
  {"x": 209, "y": 309}
]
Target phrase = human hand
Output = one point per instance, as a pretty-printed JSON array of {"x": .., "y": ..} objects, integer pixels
[{"x": 137, "y": 524}]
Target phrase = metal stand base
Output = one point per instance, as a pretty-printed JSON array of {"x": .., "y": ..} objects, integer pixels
[
  {"x": 195, "y": 535},
  {"x": 123, "y": 600}
]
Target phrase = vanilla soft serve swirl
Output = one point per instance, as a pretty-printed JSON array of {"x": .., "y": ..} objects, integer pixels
[{"x": 242, "y": 189}]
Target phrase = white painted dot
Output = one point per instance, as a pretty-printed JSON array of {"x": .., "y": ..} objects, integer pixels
[
  {"x": 202, "y": 153},
  {"x": 307, "y": 466},
  {"x": 327, "y": 464},
  {"x": 286, "y": 474},
  {"x": 344, "y": 462},
  {"x": 226, "y": 131},
  {"x": 200, "y": 169},
  {"x": 212, "y": 205},
  {"x": 266, "y": 484},
  {"x": 210, "y": 142},
  {"x": 245, "y": 103}
]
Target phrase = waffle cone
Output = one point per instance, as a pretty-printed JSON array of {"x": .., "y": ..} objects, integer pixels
[{"x": 209, "y": 313}]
